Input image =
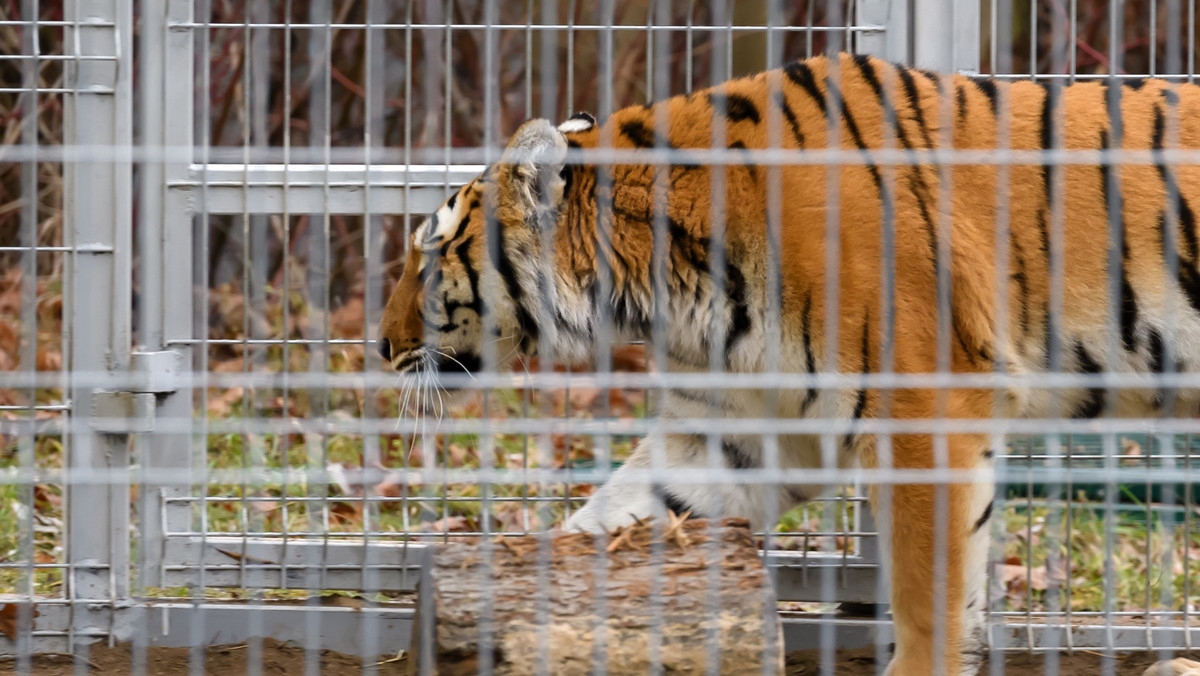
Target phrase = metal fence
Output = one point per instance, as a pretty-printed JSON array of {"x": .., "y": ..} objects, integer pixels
[{"x": 202, "y": 445}]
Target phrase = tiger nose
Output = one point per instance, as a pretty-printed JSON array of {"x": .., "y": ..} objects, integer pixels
[{"x": 385, "y": 349}]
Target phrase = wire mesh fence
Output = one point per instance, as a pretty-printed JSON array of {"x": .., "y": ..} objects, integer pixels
[{"x": 205, "y": 205}]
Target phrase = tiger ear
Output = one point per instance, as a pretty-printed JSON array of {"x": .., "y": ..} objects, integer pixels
[{"x": 532, "y": 166}]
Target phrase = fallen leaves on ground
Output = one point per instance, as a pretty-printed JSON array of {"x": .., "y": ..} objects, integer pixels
[{"x": 9, "y": 616}]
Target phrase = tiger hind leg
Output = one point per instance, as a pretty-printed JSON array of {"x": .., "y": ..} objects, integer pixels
[{"x": 939, "y": 543}]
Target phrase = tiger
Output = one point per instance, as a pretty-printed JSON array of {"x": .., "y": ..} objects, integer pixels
[{"x": 879, "y": 256}]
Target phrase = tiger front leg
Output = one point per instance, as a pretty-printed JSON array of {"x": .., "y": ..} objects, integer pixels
[{"x": 645, "y": 486}]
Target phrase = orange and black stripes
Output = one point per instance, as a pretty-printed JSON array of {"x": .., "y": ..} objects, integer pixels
[{"x": 1102, "y": 273}]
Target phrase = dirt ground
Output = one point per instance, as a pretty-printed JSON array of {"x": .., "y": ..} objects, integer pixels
[
  {"x": 279, "y": 658},
  {"x": 854, "y": 662},
  {"x": 226, "y": 660}
]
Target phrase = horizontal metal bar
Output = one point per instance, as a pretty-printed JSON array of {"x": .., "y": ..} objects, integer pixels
[
  {"x": 550, "y": 380},
  {"x": 335, "y": 189},
  {"x": 44, "y": 23},
  {"x": 176, "y": 623},
  {"x": 57, "y": 90},
  {"x": 821, "y": 427},
  {"x": 276, "y": 563},
  {"x": 307, "y": 175},
  {"x": 57, "y": 57},
  {"x": 351, "y": 158},
  {"x": 803, "y": 631},
  {"x": 865, "y": 28},
  {"x": 1048, "y": 637},
  {"x": 369, "y": 478},
  {"x": 417, "y": 537},
  {"x": 810, "y": 631},
  {"x": 270, "y": 341},
  {"x": 349, "y": 630},
  {"x": 771, "y": 476}
]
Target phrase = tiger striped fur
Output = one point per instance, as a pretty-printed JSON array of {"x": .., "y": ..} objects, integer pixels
[{"x": 569, "y": 242}]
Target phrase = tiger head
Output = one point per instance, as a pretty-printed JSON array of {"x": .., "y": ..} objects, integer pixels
[{"x": 476, "y": 281}]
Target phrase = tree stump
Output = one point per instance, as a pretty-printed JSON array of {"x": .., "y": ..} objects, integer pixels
[{"x": 673, "y": 596}]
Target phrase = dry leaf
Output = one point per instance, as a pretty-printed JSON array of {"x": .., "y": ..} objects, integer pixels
[
  {"x": 8, "y": 619},
  {"x": 1131, "y": 448},
  {"x": 348, "y": 320},
  {"x": 451, "y": 524},
  {"x": 347, "y": 512},
  {"x": 43, "y": 495}
]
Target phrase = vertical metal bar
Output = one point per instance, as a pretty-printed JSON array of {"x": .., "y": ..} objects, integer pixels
[
  {"x": 428, "y": 453},
  {"x": 689, "y": 48},
  {"x": 493, "y": 242},
  {"x": 548, "y": 75},
  {"x": 1188, "y": 508},
  {"x": 320, "y": 54},
  {"x": 1115, "y": 239},
  {"x": 1073, "y": 40},
  {"x": 374, "y": 42},
  {"x": 604, "y": 318},
  {"x": 29, "y": 112},
  {"x": 1191, "y": 41},
  {"x": 829, "y": 361},
  {"x": 721, "y": 64},
  {"x": 1001, "y": 62},
  {"x": 892, "y": 43},
  {"x": 1153, "y": 18},
  {"x": 1171, "y": 65},
  {"x": 200, "y": 322},
  {"x": 659, "y": 74},
  {"x": 286, "y": 286},
  {"x": 165, "y": 227},
  {"x": 933, "y": 20},
  {"x": 430, "y": 92},
  {"x": 256, "y": 257},
  {"x": 1058, "y": 496},
  {"x": 570, "y": 57},
  {"x": 98, "y": 216}
]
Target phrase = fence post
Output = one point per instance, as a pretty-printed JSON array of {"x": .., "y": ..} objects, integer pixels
[
  {"x": 97, "y": 292},
  {"x": 165, "y": 253},
  {"x": 932, "y": 22},
  {"x": 893, "y": 42}
]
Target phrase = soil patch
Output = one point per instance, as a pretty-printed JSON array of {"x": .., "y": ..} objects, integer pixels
[{"x": 226, "y": 660}]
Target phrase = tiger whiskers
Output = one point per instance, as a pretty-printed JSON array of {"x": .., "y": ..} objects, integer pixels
[
  {"x": 464, "y": 368},
  {"x": 400, "y": 415},
  {"x": 436, "y": 388}
]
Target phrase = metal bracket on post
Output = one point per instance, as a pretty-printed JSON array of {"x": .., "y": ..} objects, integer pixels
[
  {"x": 157, "y": 372},
  {"x": 122, "y": 412},
  {"x": 132, "y": 411}
]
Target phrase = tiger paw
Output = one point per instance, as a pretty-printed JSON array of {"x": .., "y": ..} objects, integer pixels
[{"x": 1176, "y": 667}]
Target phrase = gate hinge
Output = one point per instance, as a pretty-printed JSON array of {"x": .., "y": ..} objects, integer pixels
[{"x": 132, "y": 411}]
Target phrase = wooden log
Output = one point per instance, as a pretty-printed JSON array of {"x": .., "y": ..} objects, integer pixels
[{"x": 566, "y": 603}]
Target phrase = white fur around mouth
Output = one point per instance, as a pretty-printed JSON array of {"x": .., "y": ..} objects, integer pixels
[{"x": 409, "y": 361}]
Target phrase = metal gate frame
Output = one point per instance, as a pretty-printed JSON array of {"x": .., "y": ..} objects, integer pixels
[
  {"x": 196, "y": 188},
  {"x": 133, "y": 400}
]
